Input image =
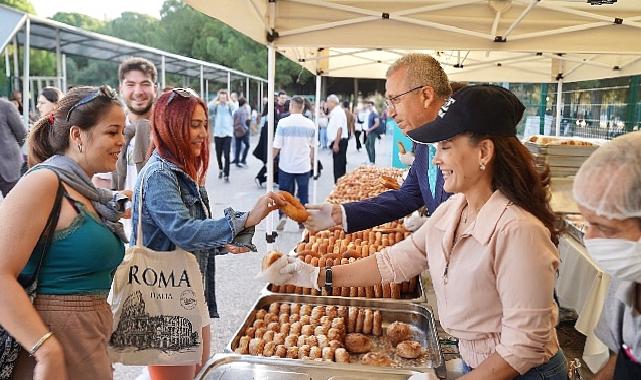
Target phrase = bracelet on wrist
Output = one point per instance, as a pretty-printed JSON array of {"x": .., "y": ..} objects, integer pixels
[{"x": 40, "y": 342}]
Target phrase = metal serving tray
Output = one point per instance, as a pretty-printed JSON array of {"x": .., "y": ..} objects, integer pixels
[
  {"x": 241, "y": 367},
  {"x": 418, "y": 296},
  {"x": 420, "y": 317},
  {"x": 561, "y": 150}
]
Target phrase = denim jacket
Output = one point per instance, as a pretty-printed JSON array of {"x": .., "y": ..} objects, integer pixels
[{"x": 176, "y": 212}]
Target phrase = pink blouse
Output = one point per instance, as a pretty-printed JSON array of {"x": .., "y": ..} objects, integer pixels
[{"x": 494, "y": 287}]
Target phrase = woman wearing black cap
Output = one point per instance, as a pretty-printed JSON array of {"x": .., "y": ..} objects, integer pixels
[{"x": 491, "y": 250}]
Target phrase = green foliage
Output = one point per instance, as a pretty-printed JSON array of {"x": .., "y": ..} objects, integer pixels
[
  {"x": 80, "y": 20},
  {"x": 21, "y": 5},
  {"x": 181, "y": 30}
]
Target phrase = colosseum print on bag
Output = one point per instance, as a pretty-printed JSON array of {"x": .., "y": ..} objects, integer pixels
[{"x": 158, "y": 302}]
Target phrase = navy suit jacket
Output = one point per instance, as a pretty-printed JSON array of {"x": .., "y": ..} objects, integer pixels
[{"x": 395, "y": 204}]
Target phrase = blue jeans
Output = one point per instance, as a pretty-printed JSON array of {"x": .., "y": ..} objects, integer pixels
[
  {"x": 555, "y": 369},
  {"x": 322, "y": 134},
  {"x": 286, "y": 182}
]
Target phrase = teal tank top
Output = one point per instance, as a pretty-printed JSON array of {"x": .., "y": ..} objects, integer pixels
[{"x": 82, "y": 258}]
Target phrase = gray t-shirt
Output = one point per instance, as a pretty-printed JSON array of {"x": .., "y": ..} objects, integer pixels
[{"x": 620, "y": 318}]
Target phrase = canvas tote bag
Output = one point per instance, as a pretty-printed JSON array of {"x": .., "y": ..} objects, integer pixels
[{"x": 158, "y": 303}]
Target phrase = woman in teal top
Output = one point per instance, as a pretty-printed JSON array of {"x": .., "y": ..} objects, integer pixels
[{"x": 67, "y": 327}]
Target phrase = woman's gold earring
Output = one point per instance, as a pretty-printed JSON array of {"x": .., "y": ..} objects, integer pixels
[
  {"x": 80, "y": 148},
  {"x": 482, "y": 166}
]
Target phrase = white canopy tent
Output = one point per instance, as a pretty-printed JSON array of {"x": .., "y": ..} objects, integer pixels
[{"x": 475, "y": 40}]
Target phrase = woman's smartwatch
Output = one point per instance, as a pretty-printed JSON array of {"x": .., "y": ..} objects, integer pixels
[{"x": 329, "y": 280}]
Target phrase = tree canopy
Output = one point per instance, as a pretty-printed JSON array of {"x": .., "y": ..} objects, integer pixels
[{"x": 180, "y": 30}]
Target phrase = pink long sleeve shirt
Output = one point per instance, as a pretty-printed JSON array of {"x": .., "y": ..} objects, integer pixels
[{"x": 496, "y": 294}]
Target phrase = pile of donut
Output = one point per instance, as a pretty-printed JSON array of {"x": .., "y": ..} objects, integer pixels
[
  {"x": 547, "y": 140},
  {"x": 325, "y": 333},
  {"x": 329, "y": 248},
  {"x": 364, "y": 182}
]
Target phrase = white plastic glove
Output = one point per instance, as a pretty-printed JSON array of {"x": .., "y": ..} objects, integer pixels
[
  {"x": 414, "y": 221},
  {"x": 320, "y": 217},
  {"x": 406, "y": 158},
  {"x": 301, "y": 274},
  {"x": 272, "y": 274}
]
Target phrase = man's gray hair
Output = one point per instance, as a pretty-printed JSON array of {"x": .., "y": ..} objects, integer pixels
[
  {"x": 333, "y": 98},
  {"x": 422, "y": 70}
]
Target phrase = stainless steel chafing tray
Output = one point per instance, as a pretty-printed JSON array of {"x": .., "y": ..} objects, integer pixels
[
  {"x": 416, "y": 296},
  {"x": 420, "y": 317},
  {"x": 241, "y": 367}
]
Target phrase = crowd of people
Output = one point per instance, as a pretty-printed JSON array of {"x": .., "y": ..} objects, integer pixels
[{"x": 490, "y": 244}]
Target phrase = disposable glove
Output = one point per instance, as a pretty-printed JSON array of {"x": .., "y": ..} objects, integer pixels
[
  {"x": 320, "y": 217},
  {"x": 272, "y": 273},
  {"x": 414, "y": 221},
  {"x": 406, "y": 158},
  {"x": 301, "y": 274}
]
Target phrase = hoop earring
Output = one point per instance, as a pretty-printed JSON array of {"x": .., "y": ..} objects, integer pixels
[
  {"x": 482, "y": 166},
  {"x": 80, "y": 148}
]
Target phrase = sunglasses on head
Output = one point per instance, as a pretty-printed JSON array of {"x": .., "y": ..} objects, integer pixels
[
  {"x": 183, "y": 92},
  {"x": 105, "y": 91}
]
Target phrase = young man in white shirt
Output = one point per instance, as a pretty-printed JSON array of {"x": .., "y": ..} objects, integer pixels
[
  {"x": 337, "y": 135},
  {"x": 294, "y": 141}
]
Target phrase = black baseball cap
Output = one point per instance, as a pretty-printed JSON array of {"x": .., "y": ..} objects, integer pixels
[{"x": 482, "y": 109}]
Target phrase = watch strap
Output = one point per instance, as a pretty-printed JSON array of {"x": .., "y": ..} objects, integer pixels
[{"x": 329, "y": 280}]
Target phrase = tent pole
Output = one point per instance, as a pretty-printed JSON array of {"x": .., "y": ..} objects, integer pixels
[
  {"x": 229, "y": 82},
  {"x": 206, "y": 90},
  {"x": 247, "y": 89},
  {"x": 63, "y": 57},
  {"x": 559, "y": 105},
  {"x": 16, "y": 68},
  {"x": 7, "y": 65},
  {"x": 58, "y": 63},
  {"x": 316, "y": 117},
  {"x": 26, "y": 93},
  {"x": 271, "y": 74},
  {"x": 162, "y": 73},
  {"x": 202, "y": 82}
]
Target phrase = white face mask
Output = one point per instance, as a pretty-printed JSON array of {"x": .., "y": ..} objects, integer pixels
[{"x": 618, "y": 257}]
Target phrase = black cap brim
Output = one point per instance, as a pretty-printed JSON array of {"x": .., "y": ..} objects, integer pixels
[{"x": 438, "y": 130}]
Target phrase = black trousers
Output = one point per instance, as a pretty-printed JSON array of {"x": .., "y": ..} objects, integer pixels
[
  {"x": 340, "y": 160},
  {"x": 357, "y": 137},
  {"x": 222, "y": 146}
]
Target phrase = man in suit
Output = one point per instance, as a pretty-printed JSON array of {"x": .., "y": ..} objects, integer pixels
[
  {"x": 416, "y": 88},
  {"x": 12, "y": 136}
]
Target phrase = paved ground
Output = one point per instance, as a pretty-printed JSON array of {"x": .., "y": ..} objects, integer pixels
[{"x": 236, "y": 288}]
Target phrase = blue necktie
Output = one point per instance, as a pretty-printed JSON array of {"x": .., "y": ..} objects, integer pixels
[{"x": 431, "y": 169}]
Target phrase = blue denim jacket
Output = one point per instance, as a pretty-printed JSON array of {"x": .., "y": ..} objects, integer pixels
[{"x": 176, "y": 212}]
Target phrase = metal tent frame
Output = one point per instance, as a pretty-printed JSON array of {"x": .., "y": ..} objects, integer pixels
[{"x": 19, "y": 28}]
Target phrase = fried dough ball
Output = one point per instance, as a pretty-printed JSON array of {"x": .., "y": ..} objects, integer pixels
[
  {"x": 341, "y": 355},
  {"x": 281, "y": 351},
  {"x": 291, "y": 340},
  {"x": 357, "y": 343},
  {"x": 256, "y": 346},
  {"x": 398, "y": 332},
  {"x": 409, "y": 349},
  {"x": 243, "y": 345},
  {"x": 268, "y": 336},
  {"x": 292, "y": 352},
  {"x": 269, "y": 349},
  {"x": 377, "y": 359}
]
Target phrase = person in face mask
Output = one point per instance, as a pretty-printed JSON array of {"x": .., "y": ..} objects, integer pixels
[{"x": 607, "y": 189}]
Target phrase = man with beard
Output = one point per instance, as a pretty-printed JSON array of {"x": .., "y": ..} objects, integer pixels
[{"x": 138, "y": 91}]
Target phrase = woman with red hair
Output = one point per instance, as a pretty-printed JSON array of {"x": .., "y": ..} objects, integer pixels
[{"x": 175, "y": 205}]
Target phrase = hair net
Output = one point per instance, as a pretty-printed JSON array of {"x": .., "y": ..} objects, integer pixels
[{"x": 609, "y": 181}]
